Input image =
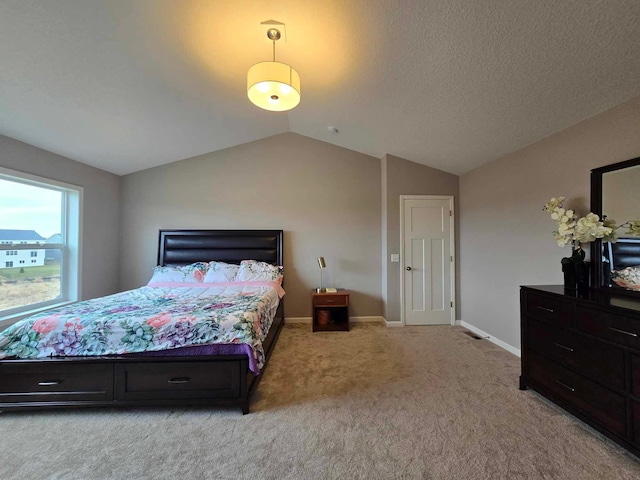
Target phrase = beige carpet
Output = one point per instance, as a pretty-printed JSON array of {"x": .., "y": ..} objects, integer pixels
[{"x": 374, "y": 403}]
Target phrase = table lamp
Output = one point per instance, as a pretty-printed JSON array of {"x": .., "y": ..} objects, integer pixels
[{"x": 322, "y": 265}]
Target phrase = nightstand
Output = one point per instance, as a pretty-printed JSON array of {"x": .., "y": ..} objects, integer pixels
[{"x": 330, "y": 311}]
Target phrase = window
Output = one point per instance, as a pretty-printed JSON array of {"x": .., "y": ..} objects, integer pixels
[{"x": 40, "y": 222}]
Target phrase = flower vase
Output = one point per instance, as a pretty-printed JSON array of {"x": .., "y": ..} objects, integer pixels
[{"x": 576, "y": 276}]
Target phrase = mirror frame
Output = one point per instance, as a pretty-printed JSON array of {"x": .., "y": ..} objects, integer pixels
[{"x": 596, "y": 207}]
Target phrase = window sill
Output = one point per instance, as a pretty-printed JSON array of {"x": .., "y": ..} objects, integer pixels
[{"x": 16, "y": 317}]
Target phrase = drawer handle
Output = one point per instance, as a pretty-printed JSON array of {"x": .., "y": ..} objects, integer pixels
[
  {"x": 330, "y": 301},
  {"x": 179, "y": 380},
  {"x": 52, "y": 382},
  {"x": 565, "y": 386},
  {"x": 623, "y": 331},
  {"x": 550, "y": 310},
  {"x": 564, "y": 347}
]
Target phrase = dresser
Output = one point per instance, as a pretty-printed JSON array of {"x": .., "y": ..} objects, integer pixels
[{"x": 582, "y": 351}]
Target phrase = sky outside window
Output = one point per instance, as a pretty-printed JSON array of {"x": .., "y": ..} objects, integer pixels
[{"x": 25, "y": 207}]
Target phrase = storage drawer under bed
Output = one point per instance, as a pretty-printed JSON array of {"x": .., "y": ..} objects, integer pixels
[
  {"x": 178, "y": 380},
  {"x": 55, "y": 381}
]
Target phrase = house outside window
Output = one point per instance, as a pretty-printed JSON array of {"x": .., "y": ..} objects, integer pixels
[{"x": 40, "y": 230}]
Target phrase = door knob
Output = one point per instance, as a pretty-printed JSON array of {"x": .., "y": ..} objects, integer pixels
[{"x": 408, "y": 269}]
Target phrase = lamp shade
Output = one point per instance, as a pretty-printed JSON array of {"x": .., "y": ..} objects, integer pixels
[
  {"x": 321, "y": 262},
  {"x": 273, "y": 86}
]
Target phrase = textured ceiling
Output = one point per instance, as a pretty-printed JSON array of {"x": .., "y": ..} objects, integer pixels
[{"x": 127, "y": 85}]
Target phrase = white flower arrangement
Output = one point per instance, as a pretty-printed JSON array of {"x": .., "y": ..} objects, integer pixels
[{"x": 576, "y": 230}]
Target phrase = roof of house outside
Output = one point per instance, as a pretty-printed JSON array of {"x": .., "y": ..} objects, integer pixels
[
  {"x": 55, "y": 238},
  {"x": 24, "y": 235}
]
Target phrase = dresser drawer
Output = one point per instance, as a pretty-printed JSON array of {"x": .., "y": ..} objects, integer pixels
[
  {"x": 597, "y": 402},
  {"x": 55, "y": 381},
  {"x": 635, "y": 375},
  {"x": 616, "y": 328},
  {"x": 140, "y": 381},
  {"x": 330, "y": 300},
  {"x": 589, "y": 357},
  {"x": 550, "y": 309}
]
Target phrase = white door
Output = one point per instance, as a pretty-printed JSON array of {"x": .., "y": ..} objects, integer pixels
[{"x": 428, "y": 260}]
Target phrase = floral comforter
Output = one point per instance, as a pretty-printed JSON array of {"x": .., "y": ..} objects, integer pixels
[{"x": 150, "y": 318}]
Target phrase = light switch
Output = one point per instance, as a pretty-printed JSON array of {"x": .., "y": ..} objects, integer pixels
[{"x": 395, "y": 257}]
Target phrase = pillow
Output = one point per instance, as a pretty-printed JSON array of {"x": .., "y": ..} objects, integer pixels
[
  {"x": 627, "y": 277},
  {"x": 183, "y": 273},
  {"x": 255, "y": 271},
  {"x": 221, "y": 272}
]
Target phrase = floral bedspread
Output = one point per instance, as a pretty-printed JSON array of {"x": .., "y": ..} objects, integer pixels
[{"x": 146, "y": 319}]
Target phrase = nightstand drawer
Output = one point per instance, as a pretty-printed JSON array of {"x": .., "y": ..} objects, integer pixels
[
  {"x": 550, "y": 309},
  {"x": 330, "y": 300}
]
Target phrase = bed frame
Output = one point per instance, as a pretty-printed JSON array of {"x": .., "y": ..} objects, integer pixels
[
  {"x": 623, "y": 253},
  {"x": 170, "y": 380}
]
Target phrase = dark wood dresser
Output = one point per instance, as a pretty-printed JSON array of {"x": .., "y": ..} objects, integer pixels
[{"x": 582, "y": 351}]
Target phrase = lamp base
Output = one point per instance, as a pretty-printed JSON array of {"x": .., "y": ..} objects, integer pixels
[{"x": 321, "y": 290}]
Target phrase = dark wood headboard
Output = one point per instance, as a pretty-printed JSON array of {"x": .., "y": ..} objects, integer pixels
[
  {"x": 181, "y": 247},
  {"x": 624, "y": 253}
]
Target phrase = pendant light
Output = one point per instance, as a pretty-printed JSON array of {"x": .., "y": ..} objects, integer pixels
[{"x": 273, "y": 85}]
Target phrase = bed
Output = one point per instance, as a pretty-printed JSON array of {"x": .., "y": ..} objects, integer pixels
[{"x": 222, "y": 374}]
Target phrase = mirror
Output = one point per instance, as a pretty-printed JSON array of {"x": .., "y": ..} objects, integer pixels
[{"x": 615, "y": 193}]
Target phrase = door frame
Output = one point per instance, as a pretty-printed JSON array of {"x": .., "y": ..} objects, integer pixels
[{"x": 452, "y": 249}]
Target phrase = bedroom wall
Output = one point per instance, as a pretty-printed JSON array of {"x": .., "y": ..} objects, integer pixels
[
  {"x": 403, "y": 177},
  {"x": 101, "y": 209},
  {"x": 505, "y": 237},
  {"x": 326, "y": 199}
]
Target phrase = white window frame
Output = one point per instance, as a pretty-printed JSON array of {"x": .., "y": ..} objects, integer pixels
[{"x": 71, "y": 246}]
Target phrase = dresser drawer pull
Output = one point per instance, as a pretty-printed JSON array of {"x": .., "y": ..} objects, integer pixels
[
  {"x": 50, "y": 383},
  {"x": 563, "y": 347},
  {"x": 565, "y": 386},
  {"x": 550, "y": 310},
  {"x": 330, "y": 301},
  {"x": 631, "y": 334},
  {"x": 179, "y": 380}
]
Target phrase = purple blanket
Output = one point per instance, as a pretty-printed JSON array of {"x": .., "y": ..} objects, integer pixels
[{"x": 217, "y": 349}]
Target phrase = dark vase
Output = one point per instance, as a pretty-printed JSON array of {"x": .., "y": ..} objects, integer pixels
[{"x": 576, "y": 276}]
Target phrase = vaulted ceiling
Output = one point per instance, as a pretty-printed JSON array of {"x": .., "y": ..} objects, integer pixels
[{"x": 125, "y": 85}]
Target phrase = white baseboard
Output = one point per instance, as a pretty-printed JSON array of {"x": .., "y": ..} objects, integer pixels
[
  {"x": 392, "y": 324},
  {"x": 367, "y": 319},
  {"x": 495, "y": 340},
  {"x": 292, "y": 320}
]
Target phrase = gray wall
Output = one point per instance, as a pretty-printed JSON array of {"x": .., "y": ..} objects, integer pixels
[
  {"x": 325, "y": 198},
  {"x": 402, "y": 177},
  {"x": 505, "y": 237},
  {"x": 101, "y": 209}
]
